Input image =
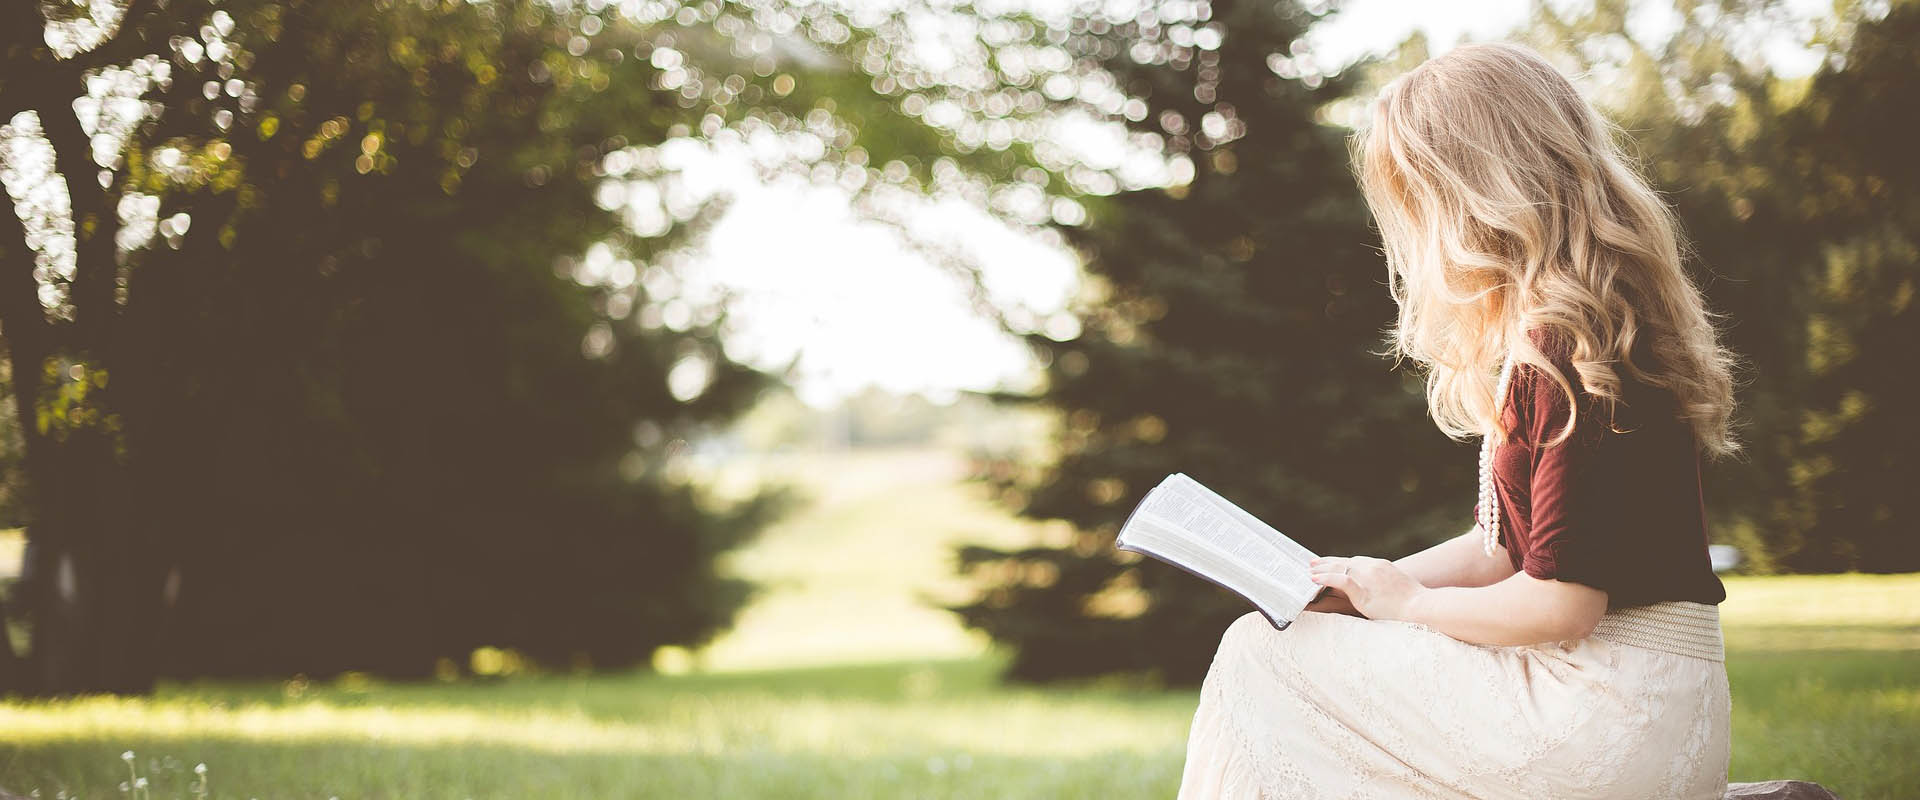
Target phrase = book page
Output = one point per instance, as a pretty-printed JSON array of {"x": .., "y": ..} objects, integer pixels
[
  {"x": 1186, "y": 524},
  {"x": 1287, "y": 547},
  {"x": 1206, "y": 515}
]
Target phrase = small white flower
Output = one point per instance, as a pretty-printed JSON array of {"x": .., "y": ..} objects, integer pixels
[
  {"x": 127, "y": 756},
  {"x": 140, "y": 783},
  {"x": 199, "y": 769}
]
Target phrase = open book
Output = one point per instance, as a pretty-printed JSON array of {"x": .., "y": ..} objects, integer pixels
[{"x": 1185, "y": 524}]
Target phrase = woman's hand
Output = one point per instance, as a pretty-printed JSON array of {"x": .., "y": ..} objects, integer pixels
[{"x": 1374, "y": 586}]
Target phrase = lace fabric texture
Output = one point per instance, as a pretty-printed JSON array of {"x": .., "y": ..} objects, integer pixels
[{"x": 1340, "y": 707}]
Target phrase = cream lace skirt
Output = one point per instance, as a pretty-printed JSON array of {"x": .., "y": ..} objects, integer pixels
[{"x": 1343, "y": 707}]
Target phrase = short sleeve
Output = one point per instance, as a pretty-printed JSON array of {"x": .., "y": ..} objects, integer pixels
[{"x": 1569, "y": 510}]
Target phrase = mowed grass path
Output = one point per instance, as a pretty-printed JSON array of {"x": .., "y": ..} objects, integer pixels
[{"x": 1825, "y": 673}]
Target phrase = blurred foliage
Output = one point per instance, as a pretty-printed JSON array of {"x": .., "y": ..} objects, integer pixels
[
  {"x": 1229, "y": 340},
  {"x": 1798, "y": 197},
  {"x": 400, "y": 367},
  {"x": 385, "y": 291},
  {"x": 13, "y": 505}
]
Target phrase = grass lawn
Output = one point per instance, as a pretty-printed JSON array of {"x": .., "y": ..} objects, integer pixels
[{"x": 1825, "y": 673}]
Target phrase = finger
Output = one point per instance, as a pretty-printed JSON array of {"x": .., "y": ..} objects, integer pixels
[
  {"x": 1328, "y": 592},
  {"x": 1362, "y": 567},
  {"x": 1329, "y": 564},
  {"x": 1374, "y": 570},
  {"x": 1335, "y": 580}
]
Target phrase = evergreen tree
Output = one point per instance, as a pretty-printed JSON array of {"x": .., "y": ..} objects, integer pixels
[
  {"x": 1792, "y": 192},
  {"x": 382, "y": 376},
  {"x": 1854, "y": 460},
  {"x": 1234, "y": 336}
]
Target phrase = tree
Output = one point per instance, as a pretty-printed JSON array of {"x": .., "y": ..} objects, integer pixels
[
  {"x": 1791, "y": 193},
  {"x": 1233, "y": 338},
  {"x": 1854, "y": 459},
  {"x": 350, "y": 363}
]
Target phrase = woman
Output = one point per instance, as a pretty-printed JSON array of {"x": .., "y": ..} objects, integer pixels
[{"x": 1567, "y": 645}]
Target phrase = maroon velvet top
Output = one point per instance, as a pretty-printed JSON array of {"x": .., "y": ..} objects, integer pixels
[{"x": 1622, "y": 512}]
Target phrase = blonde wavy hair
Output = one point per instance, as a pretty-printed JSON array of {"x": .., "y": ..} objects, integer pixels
[{"x": 1506, "y": 207}]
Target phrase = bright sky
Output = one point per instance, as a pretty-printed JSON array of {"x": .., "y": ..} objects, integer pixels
[{"x": 813, "y": 283}]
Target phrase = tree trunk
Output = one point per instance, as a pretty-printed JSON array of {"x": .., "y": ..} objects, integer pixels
[
  {"x": 26, "y": 330},
  {"x": 11, "y": 667},
  {"x": 85, "y": 578}
]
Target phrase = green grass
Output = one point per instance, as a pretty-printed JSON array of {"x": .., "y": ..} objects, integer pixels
[
  {"x": 896, "y": 730},
  {"x": 1825, "y": 673}
]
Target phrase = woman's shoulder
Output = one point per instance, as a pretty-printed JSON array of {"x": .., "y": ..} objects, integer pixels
[
  {"x": 1548, "y": 399},
  {"x": 1538, "y": 388},
  {"x": 1556, "y": 344}
]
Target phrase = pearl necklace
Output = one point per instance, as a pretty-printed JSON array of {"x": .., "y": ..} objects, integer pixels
[{"x": 1489, "y": 517}]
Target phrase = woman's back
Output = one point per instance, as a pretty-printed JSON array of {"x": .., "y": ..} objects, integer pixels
[{"x": 1621, "y": 503}]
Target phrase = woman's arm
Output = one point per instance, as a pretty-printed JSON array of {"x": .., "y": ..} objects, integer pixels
[
  {"x": 1520, "y": 609},
  {"x": 1458, "y": 561}
]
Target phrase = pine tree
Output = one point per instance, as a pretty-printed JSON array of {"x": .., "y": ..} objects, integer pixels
[
  {"x": 1235, "y": 339},
  {"x": 1792, "y": 193}
]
